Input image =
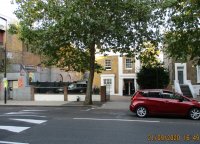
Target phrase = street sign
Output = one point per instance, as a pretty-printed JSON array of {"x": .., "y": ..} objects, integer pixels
[
  {"x": 20, "y": 82},
  {"x": 5, "y": 83}
]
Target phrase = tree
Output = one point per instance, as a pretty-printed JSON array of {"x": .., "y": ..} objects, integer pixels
[
  {"x": 117, "y": 25},
  {"x": 183, "y": 36},
  {"x": 152, "y": 74},
  {"x": 153, "y": 77},
  {"x": 149, "y": 56}
]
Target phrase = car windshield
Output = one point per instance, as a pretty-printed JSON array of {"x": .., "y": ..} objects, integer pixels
[{"x": 72, "y": 86}]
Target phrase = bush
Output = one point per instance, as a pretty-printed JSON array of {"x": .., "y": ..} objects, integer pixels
[{"x": 153, "y": 77}]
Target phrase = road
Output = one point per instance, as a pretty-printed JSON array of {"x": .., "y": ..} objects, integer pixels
[{"x": 86, "y": 125}]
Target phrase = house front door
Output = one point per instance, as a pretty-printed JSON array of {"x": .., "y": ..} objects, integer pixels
[
  {"x": 180, "y": 74},
  {"x": 129, "y": 87}
]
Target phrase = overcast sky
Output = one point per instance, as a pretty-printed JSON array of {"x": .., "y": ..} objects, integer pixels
[{"x": 7, "y": 9}]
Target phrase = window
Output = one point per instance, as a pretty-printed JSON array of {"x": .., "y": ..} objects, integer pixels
[
  {"x": 107, "y": 81},
  {"x": 198, "y": 74},
  {"x": 108, "y": 64},
  {"x": 145, "y": 94},
  {"x": 129, "y": 63},
  {"x": 167, "y": 95},
  {"x": 154, "y": 94}
]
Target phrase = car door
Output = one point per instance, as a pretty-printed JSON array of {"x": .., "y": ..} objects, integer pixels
[
  {"x": 173, "y": 104},
  {"x": 154, "y": 102}
]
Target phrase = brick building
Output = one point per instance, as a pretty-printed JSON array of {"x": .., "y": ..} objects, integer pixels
[
  {"x": 23, "y": 65},
  {"x": 119, "y": 75}
]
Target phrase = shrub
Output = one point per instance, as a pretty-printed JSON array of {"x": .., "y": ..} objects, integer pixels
[{"x": 153, "y": 77}]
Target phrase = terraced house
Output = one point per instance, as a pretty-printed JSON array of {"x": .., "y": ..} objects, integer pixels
[
  {"x": 184, "y": 77},
  {"x": 119, "y": 75}
]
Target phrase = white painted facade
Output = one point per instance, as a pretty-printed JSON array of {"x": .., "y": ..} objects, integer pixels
[
  {"x": 181, "y": 77},
  {"x": 121, "y": 76},
  {"x": 110, "y": 87}
]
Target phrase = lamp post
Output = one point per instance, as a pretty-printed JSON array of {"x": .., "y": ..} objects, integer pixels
[{"x": 5, "y": 61}]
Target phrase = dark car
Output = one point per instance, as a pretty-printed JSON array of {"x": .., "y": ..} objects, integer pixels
[
  {"x": 163, "y": 102},
  {"x": 77, "y": 88}
]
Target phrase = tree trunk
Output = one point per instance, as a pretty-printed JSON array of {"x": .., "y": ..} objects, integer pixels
[{"x": 88, "y": 97}]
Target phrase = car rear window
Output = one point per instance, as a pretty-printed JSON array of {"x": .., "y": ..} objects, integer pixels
[
  {"x": 145, "y": 94},
  {"x": 154, "y": 94},
  {"x": 151, "y": 94}
]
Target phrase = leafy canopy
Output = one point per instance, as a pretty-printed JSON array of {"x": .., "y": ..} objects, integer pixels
[
  {"x": 149, "y": 55},
  {"x": 119, "y": 25},
  {"x": 183, "y": 36}
]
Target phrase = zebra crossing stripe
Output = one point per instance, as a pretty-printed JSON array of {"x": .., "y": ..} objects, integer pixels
[
  {"x": 7, "y": 142},
  {"x": 31, "y": 121},
  {"x": 34, "y": 110},
  {"x": 21, "y": 112},
  {"x": 22, "y": 116},
  {"x": 15, "y": 129}
]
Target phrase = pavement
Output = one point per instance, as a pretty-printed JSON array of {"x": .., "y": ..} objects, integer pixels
[{"x": 116, "y": 102}]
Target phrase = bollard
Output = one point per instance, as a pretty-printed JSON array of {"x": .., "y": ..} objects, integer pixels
[{"x": 78, "y": 99}]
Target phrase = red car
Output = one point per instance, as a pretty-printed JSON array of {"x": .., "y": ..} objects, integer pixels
[{"x": 158, "y": 101}]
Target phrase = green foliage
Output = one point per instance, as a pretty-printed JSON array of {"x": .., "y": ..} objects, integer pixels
[
  {"x": 152, "y": 74},
  {"x": 71, "y": 58},
  {"x": 183, "y": 36},
  {"x": 119, "y": 25},
  {"x": 153, "y": 77},
  {"x": 149, "y": 56}
]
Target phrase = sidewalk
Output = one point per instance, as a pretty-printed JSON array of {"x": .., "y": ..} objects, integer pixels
[
  {"x": 32, "y": 103},
  {"x": 116, "y": 102}
]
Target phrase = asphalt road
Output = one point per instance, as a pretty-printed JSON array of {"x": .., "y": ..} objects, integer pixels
[{"x": 86, "y": 125}]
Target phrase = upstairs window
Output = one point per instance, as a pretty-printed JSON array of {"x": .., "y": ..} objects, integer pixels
[
  {"x": 129, "y": 63},
  {"x": 108, "y": 64}
]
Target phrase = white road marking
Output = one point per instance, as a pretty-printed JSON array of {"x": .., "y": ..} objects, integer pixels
[
  {"x": 7, "y": 142},
  {"x": 31, "y": 121},
  {"x": 15, "y": 113},
  {"x": 88, "y": 109},
  {"x": 15, "y": 129},
  {"x": 33, "y": 110},
  {"x": 22, "y": 116},
  {"x": 123, "y": 120}
]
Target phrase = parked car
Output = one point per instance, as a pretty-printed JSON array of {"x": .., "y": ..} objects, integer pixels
[
  {"x": 159, "y": 101},
  {"x": 77, "y": 88}
]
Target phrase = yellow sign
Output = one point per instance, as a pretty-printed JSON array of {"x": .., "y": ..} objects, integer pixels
[
  {"x": 31, "y": 77},
  {"x": 5, "y": 83}
]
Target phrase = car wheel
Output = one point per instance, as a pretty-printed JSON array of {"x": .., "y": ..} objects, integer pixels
[
  {"x": 194, "y": 113},
  {"x": 141, "y": 112}
]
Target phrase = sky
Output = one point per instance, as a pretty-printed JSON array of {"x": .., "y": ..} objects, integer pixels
[{"x": 7, "y": 9}]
